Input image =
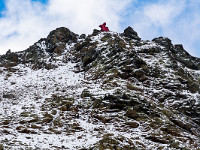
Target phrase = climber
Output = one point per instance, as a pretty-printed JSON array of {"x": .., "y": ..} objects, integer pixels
[{"x": 103, "y": 27}]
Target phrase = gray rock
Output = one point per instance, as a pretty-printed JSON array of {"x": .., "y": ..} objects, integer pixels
[
  {"x": 8, "y": 96},
  {"x": 130, "y": 33}
]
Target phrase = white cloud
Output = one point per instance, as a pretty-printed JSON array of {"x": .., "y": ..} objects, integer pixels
[
  {"x": 24, "y": 22},
  {"x": 178, "y": 20},
  {"x": 163, "y": 13},
  {"x": 152, "y": 19}
]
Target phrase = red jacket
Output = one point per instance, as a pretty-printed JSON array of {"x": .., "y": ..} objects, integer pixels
[{"x": 103, "y": 27}]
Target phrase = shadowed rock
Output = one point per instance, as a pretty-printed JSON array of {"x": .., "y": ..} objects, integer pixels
[{"x": 130, "y": 33}]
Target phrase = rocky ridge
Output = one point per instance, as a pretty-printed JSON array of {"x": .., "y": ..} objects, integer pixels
[{"x": 105, "y": 90}]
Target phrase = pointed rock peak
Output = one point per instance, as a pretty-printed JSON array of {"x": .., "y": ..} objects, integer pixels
[
  {"x": 130, "y": 33},
  {"x": 62, "y": 34},
  {"x": 58, "y": 38},
  {"x": 8, "y": 52}
]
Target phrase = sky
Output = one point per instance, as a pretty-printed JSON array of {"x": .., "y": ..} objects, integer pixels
[{"x": 24, "y": 22}]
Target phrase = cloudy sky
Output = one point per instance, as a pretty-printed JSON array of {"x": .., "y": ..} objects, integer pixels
[{"x": 23, "y": 22}]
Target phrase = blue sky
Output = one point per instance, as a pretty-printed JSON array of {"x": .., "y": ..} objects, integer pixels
[
  {"x": 2, "y": 5},
  {"x": 23, "y": 22}
]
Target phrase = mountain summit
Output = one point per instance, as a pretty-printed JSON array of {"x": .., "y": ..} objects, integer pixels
[{"x": 105, "y": 90}]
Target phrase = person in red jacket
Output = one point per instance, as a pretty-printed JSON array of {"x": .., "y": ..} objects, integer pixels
[{"x": 103, "y": 27}]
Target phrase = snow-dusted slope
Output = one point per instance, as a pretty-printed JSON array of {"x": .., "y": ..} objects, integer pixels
[{"x": 103, "y": 91}]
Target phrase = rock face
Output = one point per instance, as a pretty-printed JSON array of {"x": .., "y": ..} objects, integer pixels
[
  {"x": 185, "y": 58},
  {"x": 58, "y": 38},
  {"x": 130, "y": 33},
  {"x": 105, "y": 90}
]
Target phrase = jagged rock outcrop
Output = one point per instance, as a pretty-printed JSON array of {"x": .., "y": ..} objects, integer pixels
[
  {"x": 179, "y": 53},
  {"x": 55, "y": 43},
  {"x": 105, "y": 90},
  {"x": 58, "y": 38},
  {"x": 185, "y": 58},
  {"x": 130, "y": 33},
  {"x": 165, "y": 42}
]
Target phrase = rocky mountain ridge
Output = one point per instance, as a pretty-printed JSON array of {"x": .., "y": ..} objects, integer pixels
[{"x": 106, "y": 90}]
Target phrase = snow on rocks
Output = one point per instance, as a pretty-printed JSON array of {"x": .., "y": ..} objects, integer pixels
[{"x": 105, "y": 91}]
